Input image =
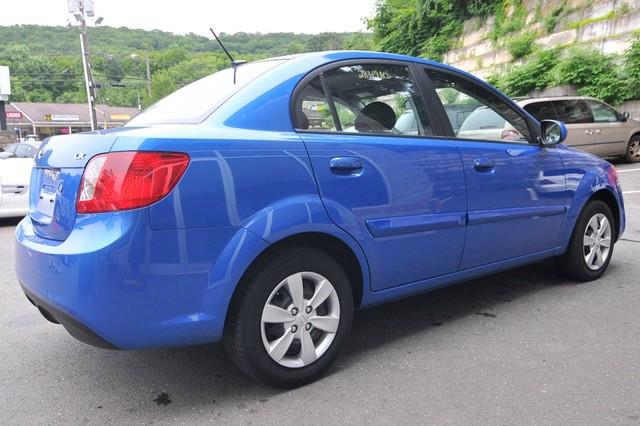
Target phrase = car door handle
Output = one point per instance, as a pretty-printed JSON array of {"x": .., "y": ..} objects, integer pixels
[
  {"x": 483, "y": 164},
  {"x": 589, "y": 132},
  {"x": 345, "y": 164},
  {"x": 598, "y": 131}
]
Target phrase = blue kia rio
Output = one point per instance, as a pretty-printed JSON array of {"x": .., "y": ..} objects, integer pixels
[{"x": 264, "y": 203}]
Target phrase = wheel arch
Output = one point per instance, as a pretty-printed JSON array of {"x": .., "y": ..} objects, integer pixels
[
  {"x": 333, "y": 246},
  {"x": 607, "y": 197}
]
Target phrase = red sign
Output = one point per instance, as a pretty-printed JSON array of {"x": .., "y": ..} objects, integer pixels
[{"x": 15, "y": 115}]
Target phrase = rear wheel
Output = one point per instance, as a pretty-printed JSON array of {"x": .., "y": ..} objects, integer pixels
[
  {"x": 290, "y": 317},
  {"x": 633, "y": 150},
  {"x": 591, "y": 244}
]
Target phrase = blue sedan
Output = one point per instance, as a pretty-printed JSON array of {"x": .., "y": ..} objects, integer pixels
[{"x": 263, "y": 204}]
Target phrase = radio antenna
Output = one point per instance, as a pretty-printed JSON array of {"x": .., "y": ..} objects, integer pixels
[{"x": 234, "y": 64}]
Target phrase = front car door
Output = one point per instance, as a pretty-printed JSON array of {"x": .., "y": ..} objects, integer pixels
[
  {"x": 611, "y": 132},
  {"x": 577, "y": 116},
  {"x": 382, "y": 176},
  {"x": 515, "y": 186}
]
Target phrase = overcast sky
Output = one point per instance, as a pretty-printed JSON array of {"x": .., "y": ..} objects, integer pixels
[{"x": 183, "y": 16}]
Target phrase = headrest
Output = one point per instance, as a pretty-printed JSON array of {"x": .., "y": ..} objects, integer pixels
[
  {"x": 375, "y": 117},
  {"x": 302, "y": 121}
]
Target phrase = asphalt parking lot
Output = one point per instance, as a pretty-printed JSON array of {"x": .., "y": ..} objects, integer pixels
[{"x": 522, "y": 347}]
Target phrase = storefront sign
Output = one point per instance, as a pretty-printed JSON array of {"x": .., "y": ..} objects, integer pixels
[
  {"x": 13, "y": 115},
  {"x": 120, "y": 117},
  {"x": 61, "y": 117}
]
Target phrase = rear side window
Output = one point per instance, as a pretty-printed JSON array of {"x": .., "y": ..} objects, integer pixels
[
  {"x": 573, "y": 111},
  {"x": 541, "y": 110},
  {"x": 314, "y": 112},
  {"x": 367, "y": 98}
]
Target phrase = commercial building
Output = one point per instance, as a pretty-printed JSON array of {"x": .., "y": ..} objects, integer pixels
[{"x": 48, "y": 119}]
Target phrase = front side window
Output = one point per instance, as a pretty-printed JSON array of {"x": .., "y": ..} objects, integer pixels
[
  {"x": 368, "y": 98},
  {"x": 573, "y": 111},
  {"x": 476, "y": 113},
  {"x": 602, "y": 113}
]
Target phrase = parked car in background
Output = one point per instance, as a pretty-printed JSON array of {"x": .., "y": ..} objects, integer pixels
[
  {"x": 18, "y": 150},
  {"x": 223, "y": 213},
  {"x": 593, "y": 125},
  {"x": 14, "y": 186}
]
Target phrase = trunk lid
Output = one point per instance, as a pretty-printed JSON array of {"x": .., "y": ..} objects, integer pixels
[{"x": 55, "y": 180}]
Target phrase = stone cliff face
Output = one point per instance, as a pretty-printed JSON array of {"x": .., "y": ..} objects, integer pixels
[{"x": 607, "y": 26}]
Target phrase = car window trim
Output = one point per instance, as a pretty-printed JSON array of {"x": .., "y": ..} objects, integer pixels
[
  {"x": 531, "y": 123},
  {"x": 332, "y": 106},
  {"x": 319, "y": 71}
]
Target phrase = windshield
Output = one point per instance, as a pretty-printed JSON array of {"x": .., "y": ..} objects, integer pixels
[
  {"x": 194, "y": 102},
  {"x": 483, "y": 118}
]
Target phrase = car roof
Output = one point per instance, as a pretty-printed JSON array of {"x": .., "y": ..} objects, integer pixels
[
  {"x": 527, "y": 101},
  {"x": 326, "y": 57}
]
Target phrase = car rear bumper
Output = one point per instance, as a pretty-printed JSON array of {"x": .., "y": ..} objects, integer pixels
[
  {"x": 72, "y": 325},
  {"x": 115, "y": 282}
]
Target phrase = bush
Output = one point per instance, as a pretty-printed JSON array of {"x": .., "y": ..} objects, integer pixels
[
  {"x": 551, "y": 21},
  {"x": 632, "y": 68},
  {"x": 534, "y": 74},
  {"x": 521, "y": 45},
  {"x": 505, "y": 24},
  {"x": 594, "y": 74}
]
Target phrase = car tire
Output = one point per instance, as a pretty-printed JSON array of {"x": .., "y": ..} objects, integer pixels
[
  {"x": 588, "y": 256},
  {"x": 255, "y": 344},
  {"x": 633, "y": 150}
]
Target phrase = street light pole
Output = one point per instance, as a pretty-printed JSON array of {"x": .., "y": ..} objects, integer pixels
[{"x": 80, "y": 13}]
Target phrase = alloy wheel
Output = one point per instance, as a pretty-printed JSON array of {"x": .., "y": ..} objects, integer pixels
[
  {"x": 634, "y": 150},
  {"x": 300, "y": 319},
  {"x": 597, "y": 241}
]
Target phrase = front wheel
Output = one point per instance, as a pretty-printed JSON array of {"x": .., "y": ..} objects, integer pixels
[
  {"x": 591, "y": 245},
  {"x": 633, "y": 150},
  {"x": 290, "y": 318}
]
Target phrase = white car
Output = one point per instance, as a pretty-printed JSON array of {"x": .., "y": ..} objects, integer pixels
[{"x": 15, "y": 174}]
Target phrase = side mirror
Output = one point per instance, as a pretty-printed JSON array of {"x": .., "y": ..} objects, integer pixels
[
  {"x": 553, "y": 132},
  {"x": 625, "y": 116},
  {"x": 5, "y": 155}
]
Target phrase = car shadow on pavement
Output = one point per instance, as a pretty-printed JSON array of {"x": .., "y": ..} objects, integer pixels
[{"x": 203, "y": 377}]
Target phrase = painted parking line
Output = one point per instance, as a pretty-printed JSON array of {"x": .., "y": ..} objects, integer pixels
[
  {"x": 631, "y": 192},
  {"x": 628, "y": 170}
]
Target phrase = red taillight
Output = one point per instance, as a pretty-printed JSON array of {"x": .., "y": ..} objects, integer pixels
[{"x": 128, "y": 180}]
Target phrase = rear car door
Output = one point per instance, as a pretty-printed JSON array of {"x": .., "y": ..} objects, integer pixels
[
  {"x": 610, "y": 131},
  {"x": 577, "y": 116},
  {"x": 515, "y": 186},
  {"x": 382, "y": 177}
]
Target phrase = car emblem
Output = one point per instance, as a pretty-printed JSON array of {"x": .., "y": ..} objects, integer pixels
[{"x": 79, "y": 156}]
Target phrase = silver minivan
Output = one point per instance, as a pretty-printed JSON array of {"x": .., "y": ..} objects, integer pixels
[{"x": 593, "y": 125}]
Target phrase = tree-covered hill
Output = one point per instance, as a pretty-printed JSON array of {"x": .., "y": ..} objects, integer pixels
[{"x": 45, "y": 61}]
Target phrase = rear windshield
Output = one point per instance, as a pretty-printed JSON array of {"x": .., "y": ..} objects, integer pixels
[
  {"x": 483, "y": 118},
  {"x": 194, "y": 102}
]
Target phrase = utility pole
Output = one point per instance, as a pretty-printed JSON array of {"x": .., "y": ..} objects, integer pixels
[
  {"x": 5, "y": 91},
  {"x": 82, "y": 9},
  {"x": 148, "y": 75},
  {"x": 3, "y": 116}
]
